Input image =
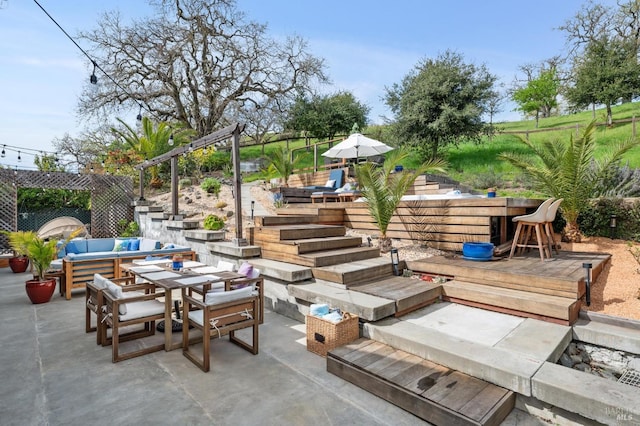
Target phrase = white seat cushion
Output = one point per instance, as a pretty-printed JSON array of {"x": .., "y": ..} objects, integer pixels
[
  {"x": 217, "y": 297},
  {"x": 142, "y": 309},
  {"x": 99, "y": 281}
]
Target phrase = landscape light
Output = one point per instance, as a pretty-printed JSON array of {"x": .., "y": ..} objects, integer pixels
[
  {"x": 613, "y": 219},
  {"x": 395, "y": 261}
]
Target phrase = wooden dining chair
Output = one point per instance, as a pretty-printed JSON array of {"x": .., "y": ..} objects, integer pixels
[
  {"x": 94, "y": 301},
  {"x": 220, "y": 313},
  {"x": 123, "y": 311}
]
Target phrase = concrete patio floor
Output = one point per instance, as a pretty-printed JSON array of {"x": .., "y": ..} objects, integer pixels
[{"x": 53, "y": 373}]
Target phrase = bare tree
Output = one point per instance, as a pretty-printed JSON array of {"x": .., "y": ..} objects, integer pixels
[
  {"x": 192, "y": 62},
  {"x": 263, "y": 119},
  {"x": 79, "y": 152}
]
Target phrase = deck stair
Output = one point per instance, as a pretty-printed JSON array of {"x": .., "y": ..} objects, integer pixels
[
  {"x": 435, "y": 393},
  {"x": 356, "y": 272},
  {"x": 300, "y": 240}
]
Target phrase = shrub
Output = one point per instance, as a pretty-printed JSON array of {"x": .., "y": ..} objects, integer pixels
[
  {"x": 221, "y": 205},
  {"x": 184, "y": 182},
  {"x": 128, "y": 229},
  {"x": 213, "y": 222},
  {"x": 211, "y": 186}
]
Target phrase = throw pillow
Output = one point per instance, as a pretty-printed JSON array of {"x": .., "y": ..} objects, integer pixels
[
  {"x": 120, "y": 245},
  {"x": 330, "y": 183},
  {"x": 71, "y": 248},
  {"x": 245, "y": 269},
  {"x": 134, "y": 244}
]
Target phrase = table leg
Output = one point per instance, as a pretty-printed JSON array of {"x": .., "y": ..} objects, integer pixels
[{"x": 168, "y": 332}]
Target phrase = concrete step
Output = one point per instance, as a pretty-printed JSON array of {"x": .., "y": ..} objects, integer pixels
[
  {"x": 182, "y": 224},
  {"x": 596, "y": 398},
  {"x": 501, "y": 349},
  {"x": 204, "y": 235},
  {"x": 355, "y": 272},
  {"x": 158, "y": 216},
  {"x": 367, "y": 307},
  {"x": 282, "y": 271}
]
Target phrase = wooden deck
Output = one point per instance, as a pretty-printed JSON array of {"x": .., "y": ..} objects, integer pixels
[
  {"x": 430, "y": 391},
  {"x": 523, "y": 286}
]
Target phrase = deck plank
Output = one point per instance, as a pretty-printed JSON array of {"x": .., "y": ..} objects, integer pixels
[{"x": 430, "y": 391}]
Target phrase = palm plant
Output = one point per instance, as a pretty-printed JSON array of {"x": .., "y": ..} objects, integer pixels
[
  {"x": 569, "y": 170},
  {"x": 383, "y": 189},
  {"x": 281, "y": 164},
  {"x": 153, "y": 140}
]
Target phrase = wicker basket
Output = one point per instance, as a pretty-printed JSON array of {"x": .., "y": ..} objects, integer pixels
[{"x": 323, "y": 335}]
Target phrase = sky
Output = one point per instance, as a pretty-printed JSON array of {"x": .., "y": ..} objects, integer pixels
[{"x": 367, "y": 45}]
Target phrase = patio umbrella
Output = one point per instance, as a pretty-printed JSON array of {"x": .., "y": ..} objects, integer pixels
[{"x": 357, "y": 145}]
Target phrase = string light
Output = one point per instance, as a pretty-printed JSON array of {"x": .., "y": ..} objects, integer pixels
[
  {"x": 139, "y": 116},
  {"x": 19, "y": 158},
  {"x": 171, "y": 140},
  {"x": 93, "y": 79},
  {"x": 3, "y": 151}
]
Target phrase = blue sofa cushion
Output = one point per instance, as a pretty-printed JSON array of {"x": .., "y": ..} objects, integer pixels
[
  {"x": 76, "y": 246},
  {"x": 100, "y": 244}
]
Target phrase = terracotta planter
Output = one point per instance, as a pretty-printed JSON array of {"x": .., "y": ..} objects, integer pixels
[
  {"x": 40, "y": 291},
  {"x": 19, "y": 264}
]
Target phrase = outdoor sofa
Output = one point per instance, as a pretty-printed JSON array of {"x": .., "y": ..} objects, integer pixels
[{"x": 81, "y": 258}]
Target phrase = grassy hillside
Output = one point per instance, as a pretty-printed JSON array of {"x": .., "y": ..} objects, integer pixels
[{"x": 478, "y": 166}]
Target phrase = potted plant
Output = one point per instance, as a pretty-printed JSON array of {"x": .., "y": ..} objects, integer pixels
[
  {"x": 40, "y": 253},
  {"x": 18, "y": 242}
]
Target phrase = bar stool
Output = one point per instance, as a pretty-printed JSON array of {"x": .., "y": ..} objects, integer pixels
[
  {"x": 532, "y": 222},
  {"x": 551, "y": 216}
]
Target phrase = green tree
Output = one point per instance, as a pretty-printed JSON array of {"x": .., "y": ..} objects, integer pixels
[
  {"x": 153, "y": 140},
  {"x": 281, "y": 164},
  {"x": 607, "y": 73},
  {"x": 441, "y": 102},
  {"x": 326, "y": 116},
  {"x": 568, "y": 169},
  {"x": 383, "y": 189},
  {"x": 539, "y": 95}
]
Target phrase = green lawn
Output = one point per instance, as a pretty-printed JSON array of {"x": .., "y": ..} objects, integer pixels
[{"x": 478, "y": 165}]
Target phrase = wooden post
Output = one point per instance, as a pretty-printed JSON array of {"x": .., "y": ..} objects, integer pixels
[
  {"x": 237, "y": 187},
  {"x": 174, "y": 186},
  {"x": 141, "y": 185},
  {"x": 315, "y": 157}
]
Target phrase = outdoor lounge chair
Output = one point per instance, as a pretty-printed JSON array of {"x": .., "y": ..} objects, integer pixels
[
  {"x": 219, "y": 314},
  {"x": 334, "y": 182}
]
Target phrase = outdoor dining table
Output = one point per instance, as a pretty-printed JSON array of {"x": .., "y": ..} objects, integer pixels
[{"x": 164, "y": 277}]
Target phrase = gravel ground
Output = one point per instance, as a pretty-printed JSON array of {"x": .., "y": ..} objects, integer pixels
[{"x": 616, "y": 292}]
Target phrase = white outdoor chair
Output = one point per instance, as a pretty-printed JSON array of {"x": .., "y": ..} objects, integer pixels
[
  {"x": 532, "y": 222},
  {"x": 548, "y": 226}
]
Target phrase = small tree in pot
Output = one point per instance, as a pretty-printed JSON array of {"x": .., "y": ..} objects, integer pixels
[
  {"x": 18, "y": 243},
  {"x": 40, "y": 253}
]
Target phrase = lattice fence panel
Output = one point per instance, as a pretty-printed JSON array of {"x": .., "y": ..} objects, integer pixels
[
  {"x": 8, "y": 206},
  {"x": 111, "y": 197}
]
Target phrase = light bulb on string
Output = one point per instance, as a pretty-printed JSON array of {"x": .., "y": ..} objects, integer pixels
[
  {"x": 171, "y": 140},
  {"x": 3, "y": 151},
  {"x": 204, "y": 150},
  {"x": 93, "y": 79},
  {"x": 19, "y": 157}
]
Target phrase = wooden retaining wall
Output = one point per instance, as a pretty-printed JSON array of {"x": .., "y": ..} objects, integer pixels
[{"x": 446, "y": 224}]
